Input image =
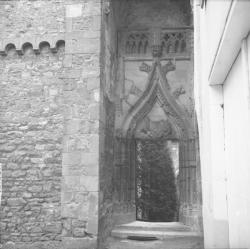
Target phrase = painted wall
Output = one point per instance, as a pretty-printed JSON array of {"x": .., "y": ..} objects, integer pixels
[
  {"x": 216, "y": 12},
  {"x": 209, "y": 107}
]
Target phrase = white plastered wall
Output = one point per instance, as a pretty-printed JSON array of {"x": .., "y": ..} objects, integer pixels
[
  {"x": 223, "y": 112},
  {"x": 237, "y": 149}
]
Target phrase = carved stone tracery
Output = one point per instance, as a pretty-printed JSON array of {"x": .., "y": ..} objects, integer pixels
[
  {"x": 137, "y": 43},
  {"x": 142, "y": 42},
  {"x": 174, "y": 42}
]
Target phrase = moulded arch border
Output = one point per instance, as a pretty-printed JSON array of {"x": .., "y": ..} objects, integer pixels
[{"x": 157, "y": 90}]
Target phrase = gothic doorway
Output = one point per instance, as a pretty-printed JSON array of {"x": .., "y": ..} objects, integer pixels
[
  {"x": 156, "y": 153},
  {"x": 157, "y": 170}
]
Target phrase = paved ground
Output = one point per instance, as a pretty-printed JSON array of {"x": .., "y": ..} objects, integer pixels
[
  {"x": 158, "y": 244},
  {"x": 170, "y": 235}
]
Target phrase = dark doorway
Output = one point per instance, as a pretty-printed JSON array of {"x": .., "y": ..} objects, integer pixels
[{"x": 156, "y": 180}]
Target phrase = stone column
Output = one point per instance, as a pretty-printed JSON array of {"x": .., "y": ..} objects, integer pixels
[{"x": 81, "y": 134}]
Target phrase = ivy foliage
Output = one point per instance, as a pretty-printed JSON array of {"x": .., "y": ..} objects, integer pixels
[{"x": 156, "y": 185}]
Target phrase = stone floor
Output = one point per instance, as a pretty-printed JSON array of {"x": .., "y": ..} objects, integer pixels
[{"x": 167, "y": 236}]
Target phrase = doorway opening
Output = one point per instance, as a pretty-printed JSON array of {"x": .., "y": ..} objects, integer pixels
[{"x": 157, "y": 170}]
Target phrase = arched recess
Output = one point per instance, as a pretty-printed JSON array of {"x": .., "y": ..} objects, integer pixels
[{"x": 157, "y": 91}]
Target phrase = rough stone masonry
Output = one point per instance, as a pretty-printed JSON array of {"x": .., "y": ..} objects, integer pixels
[
  {"x": 49, "y": 123},
  {"x": 62, "y": 86}
]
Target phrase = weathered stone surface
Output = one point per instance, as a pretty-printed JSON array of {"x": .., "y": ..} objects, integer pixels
[
  {"x": 55, "y": 227},
  {"x": 58, "y": 117},
  {"x": 27, "y": 244},
  {"x": 31, "y": 125},
  {"x": 79, "y": 243},
  {"x": 79, "y": 232},
  {"x": 80, "y": 156}
]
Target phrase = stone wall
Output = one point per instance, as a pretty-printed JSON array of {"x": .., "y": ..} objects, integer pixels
[
  {"x": 80, "y": 165},
  {"x": 107, "y": 121},
  {"x": 30, "y": 21},
  {"x": 31, "y": 124},
  {"x": 31, "y": 146},
  {"x": 139, "y": 14},
  {"x": 137, "y": 20},
  {"x": 50, "y": 111}
]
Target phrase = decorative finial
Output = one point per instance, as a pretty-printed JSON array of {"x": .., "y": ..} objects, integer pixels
[{"x": 156, "y": 43}]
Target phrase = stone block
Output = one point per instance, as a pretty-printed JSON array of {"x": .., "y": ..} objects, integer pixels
[
  {"x": 90, "y": 159},
  {"x": 67, "y": 197},
  {"x": 79, "y": 232},
  {"x": 81, "y": 45},
  {"x": 79, "y": 243},
  {"x": 70, "y": 73},
  {"x": 53, "y": 227},
  {"x": 94, "y": 111},
  {"x": 80, "y": 170},
  {"x": 73, "y": 10},
  {"x": 72, "y": 126},
  {"x": 69, "y": 85},
  {"x": 97, "y": 22},
  {"x": 92, "y": 225},
  {"x": 78, "y": 223},
  {"x": 71, "y": 183},
  {"x": 16, "y": 202},
  {"x": 74, "y": 170},
  {"x": 35, "y": 189},
  {"x": 67, "y": 62},
  {"x": 94, "y": 143},
  {"x": 75, "y": 210},
  {"x": 18, "y": 173},
  {"x": 92, "y": 8},
  {"x": 89, "y": 183},
  {"x": 72, "y": 158},
  {"x": 93, "y": 83},
  {"x": 96, "y": 95}
]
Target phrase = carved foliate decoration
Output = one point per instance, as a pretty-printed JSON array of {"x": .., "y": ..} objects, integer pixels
[
  {"x": 179, "y": 91},
  {"x": 145, "y": 67},
  {"x": 170, "y": 66}
]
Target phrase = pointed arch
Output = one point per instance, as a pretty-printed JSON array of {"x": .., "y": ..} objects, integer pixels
[{"x": 157, "y": 90}]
